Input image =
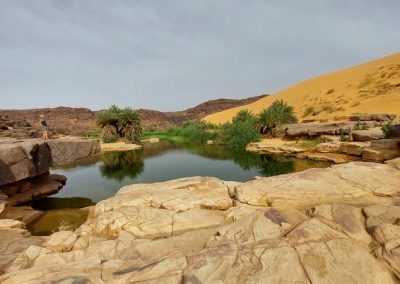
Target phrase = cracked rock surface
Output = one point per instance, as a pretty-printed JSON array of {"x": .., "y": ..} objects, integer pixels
[{"x": 333, "y": 225}]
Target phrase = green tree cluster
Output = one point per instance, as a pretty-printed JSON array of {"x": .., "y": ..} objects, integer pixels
[
  {"x": 277, "y": 114},
  {"x": 116, "y": 122}
]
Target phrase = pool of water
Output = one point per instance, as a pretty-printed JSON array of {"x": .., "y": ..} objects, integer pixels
[
  {"x": 98, "y": 177},
  {"x": 101, "y": 176}
]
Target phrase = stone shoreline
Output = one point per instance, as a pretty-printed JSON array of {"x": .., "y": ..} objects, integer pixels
[{"x": 337, "y": 225}]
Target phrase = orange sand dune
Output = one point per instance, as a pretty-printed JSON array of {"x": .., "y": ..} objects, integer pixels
[{"x": 373, "y": 87}]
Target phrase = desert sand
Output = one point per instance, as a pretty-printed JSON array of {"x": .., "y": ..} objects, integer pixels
[{"x": 373, "y": 87}]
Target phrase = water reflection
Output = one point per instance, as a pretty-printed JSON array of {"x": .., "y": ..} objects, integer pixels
[
  {"x": 119, "y": 165},
  {"x": 101, "y": 176}
]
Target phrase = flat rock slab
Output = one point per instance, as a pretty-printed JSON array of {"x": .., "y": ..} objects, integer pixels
[
  {"x": 162, "y": 209},
  {"x": 265, "y": 148},
  {"x": 314, "y": 186}
]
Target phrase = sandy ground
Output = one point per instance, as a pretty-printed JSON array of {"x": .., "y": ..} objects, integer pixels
[
  {"x": 373, "y": 87},
  {"x": 118, "y": 146}
]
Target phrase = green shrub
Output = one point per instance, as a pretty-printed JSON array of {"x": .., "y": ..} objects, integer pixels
[
  {"x": 309, "y": 110},
  {"x": 386, "y": 128},
  {"x": 360, "y": 125},
  {"x": 240, "y": 132}
]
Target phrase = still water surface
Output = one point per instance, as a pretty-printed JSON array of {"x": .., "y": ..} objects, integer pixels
[{"x": 99, "y": 177}]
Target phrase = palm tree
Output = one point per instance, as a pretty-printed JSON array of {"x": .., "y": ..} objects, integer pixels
[
  {"x": 116, "y": 122},
  {"x": 277, "y": 114}
]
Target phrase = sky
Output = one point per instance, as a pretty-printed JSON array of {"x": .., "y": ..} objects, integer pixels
[{"x": 174, "y": 54}]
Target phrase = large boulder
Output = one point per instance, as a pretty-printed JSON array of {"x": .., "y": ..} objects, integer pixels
[
  {"x": 23, "y": 159},
  {"x": 68, "y": 149},
  {"x": 368, "y": 134}
]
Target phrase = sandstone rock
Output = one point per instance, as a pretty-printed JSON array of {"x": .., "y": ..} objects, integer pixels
[
  {"x": 344, "y": 218},
  {"x": 318, "y": 129},
  {"x": 330, "y": 138},
  {"x": 329, "y": 256},
  {"x": 12, "y": 243},
  {"x": 367, "y": 135},
  {"x": 395, "y": 163},
  {"x": 37, "y": 187},
  {"x": 24, "y": 159},
  {"x": 329, "y": 147},
  {"x": 161, "y": 209},
  {"x": 395, "y": 130},
  {"x": 4, "y": 207},
  {"x": 61, "y": 241},
  {"x": 353, "y": 148},
  {"x": 69, "y": 149},
  {"x": 23, "y": 213},
  {"x": 327, "y": 157},
  {"x": 345, "y": 182},
  {"x": 265, "y": 148},
  {"x": 375, "y": 116},
  {"x": 386, "y": 144},
  {"x": 379, "y": 154},
  {"x": 11, "y": 224},
  {"x": 377, "y": 215}
]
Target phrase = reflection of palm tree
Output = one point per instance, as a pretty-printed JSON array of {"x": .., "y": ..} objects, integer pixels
[
  {"x": 275, "y": 165},
  {"x": 118, "y": 165}
]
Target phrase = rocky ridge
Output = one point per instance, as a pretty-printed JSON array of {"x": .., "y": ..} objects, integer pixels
[
  {"x": 64, "y": 120},
  {"x": 337, "y": 225}
]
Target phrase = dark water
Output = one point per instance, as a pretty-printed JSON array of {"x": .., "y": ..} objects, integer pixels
[{"x": 99, "y": 177}]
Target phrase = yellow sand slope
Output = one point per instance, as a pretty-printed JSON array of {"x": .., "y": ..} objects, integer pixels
[{"x": 373, "y": 87}]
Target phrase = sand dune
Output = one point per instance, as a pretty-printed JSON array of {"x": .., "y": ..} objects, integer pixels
[{"x": 373, "y": 87}]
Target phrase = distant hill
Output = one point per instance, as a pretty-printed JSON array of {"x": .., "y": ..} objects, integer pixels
[
  {"x": 78, "y": 119},
  {"x": 373, "y": 87}
]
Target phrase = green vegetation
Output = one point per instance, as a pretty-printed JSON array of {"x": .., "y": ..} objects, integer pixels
[
  {"x": 194, "y": 131},
  {"x": 386, "y": 128},
  {"x": 308, "y": 143},
  {"x": 360, "y": 125},
  {"x": 309, "y": 110},
  {"x": 240, "y": 132},
  {"x": 244, "y": 128},
  {"x": 275, "y": 115},
  {"x": 119, "y": 123}
]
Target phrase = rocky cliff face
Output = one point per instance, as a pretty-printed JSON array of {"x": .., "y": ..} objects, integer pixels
[{"x": 66, "y": 119}]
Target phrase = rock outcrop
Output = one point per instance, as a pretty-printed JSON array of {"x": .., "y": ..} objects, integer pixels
[
  {"x": 23, "y": 159},
  {"x": 318, "y": 129},
  {"x": 69, "y": 149},
  {"x": 368, "y": 134},
  {"x": 380, "y": 117},
  {"x": 333, "y": 225}
]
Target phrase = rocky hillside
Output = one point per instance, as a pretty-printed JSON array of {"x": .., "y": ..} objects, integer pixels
[
  {"x": 81, "y": 119},
  {"x": 373, "y": 87}
]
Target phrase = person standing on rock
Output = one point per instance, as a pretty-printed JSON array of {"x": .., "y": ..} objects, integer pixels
[{"x": 43, "y": 124}]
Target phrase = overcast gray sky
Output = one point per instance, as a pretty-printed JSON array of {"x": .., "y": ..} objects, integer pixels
[{"x": 174, "y": 54}]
